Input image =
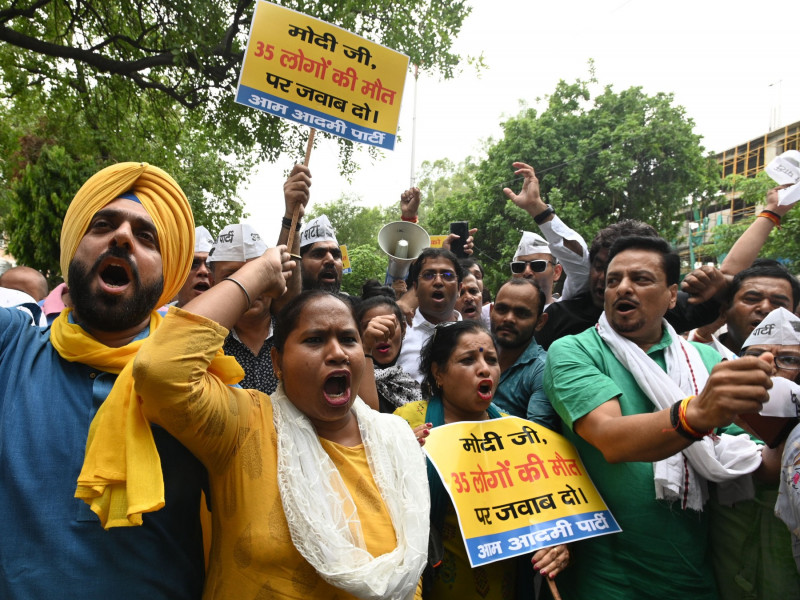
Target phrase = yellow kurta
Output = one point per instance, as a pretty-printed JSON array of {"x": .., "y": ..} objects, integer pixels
[{"x": 231, "y": 431}]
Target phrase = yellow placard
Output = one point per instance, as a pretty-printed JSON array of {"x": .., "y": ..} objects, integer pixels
[
  {"x": 516, "y": 487},
  {"x": 346, "y": 267},
  {"x": 437, "y": 241},
  {"x": 311, "y": 72}
]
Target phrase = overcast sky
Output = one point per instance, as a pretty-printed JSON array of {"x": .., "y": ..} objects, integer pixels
[{"x": 731, "y": 64}]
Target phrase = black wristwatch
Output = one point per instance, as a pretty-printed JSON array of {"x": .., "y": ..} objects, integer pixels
[{"x": 544, "y": 214}]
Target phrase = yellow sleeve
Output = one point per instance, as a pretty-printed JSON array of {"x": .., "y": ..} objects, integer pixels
[{"x": 177, "y": 391}]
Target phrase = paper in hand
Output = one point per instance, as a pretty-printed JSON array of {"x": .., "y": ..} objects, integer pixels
[{"x": 785, "y": 168}]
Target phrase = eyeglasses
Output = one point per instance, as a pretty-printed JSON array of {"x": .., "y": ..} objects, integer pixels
[
  {"x": 537, "y": 266},
  {"x": 198, "y": 262},
  {"x": 447, "y": 276},
  {"x": 787, "y": 362}
]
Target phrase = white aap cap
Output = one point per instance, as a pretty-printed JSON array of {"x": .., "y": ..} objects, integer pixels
[
  {"x": 237, "y": 243},
  {"x": 318, "y": 230},
  {"x": 780, "y": 327},
  {"x": 203, "y": 240},
  {"x": 532, "y": 243}
]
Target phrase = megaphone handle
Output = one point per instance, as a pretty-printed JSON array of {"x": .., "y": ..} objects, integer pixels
[{"x": 296, "y": 213}]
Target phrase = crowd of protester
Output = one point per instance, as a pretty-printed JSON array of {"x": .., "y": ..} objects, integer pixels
[{"x": 195, "y": 415}]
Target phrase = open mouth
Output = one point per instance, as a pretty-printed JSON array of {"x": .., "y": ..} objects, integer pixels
[
  {"x": 115, "y": 275},
  {"x": 469, "y": 310},
  {"x": 327, "y": 276},
  {"x": 336, "y": 388},
  {"x": 202, "y": 287},
  {"x": 437, "y": 295},
  {"x": 624, "y": 306},
  {"x": 485, "y": 389}
]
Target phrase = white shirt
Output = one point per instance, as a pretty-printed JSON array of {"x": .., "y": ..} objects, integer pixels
[
  {"x": 575, "y": 267},
  {"x": 420, "y": 332}
]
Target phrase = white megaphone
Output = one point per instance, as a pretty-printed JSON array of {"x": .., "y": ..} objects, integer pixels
[{"x": 403, "y": 242}]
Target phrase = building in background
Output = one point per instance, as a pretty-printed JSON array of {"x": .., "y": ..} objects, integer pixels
[{"x": 747, "y": 160}]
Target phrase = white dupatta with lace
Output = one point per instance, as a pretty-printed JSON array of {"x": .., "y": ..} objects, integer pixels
[{"x": 322, "y": 516}]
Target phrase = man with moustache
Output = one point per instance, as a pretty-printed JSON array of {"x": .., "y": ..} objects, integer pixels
[
  {"x": 641, "y": 405},
  {"x": 763, "y": 567},
  {"x": 753, "y": 294},
  {"x": 321, "y": 257},
  {"x": 199, "y": 279},
  {"x": 126, "y": 248},
  {"x": 469, "y": 302},
  {"x": 435, "y": 276},
  {"x": 516, "y": 315}
]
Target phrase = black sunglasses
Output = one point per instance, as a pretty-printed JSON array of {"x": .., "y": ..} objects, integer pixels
[{"x": 537, "y": 266}]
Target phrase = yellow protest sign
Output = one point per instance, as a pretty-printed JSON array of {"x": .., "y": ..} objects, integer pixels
[
  {"x": 311, "y": 72},
  {"x": 346, "y": 267},
  {"x": 516, "y": 487},
  {"x": 437, "y": 241}
]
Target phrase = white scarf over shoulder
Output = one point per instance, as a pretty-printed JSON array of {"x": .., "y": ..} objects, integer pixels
[
  {"x": 322, "y": 516},
  {"x": 714, "y": 458}
]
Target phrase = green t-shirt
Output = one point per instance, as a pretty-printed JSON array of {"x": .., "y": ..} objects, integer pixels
[{"x": 662, "y": 551}]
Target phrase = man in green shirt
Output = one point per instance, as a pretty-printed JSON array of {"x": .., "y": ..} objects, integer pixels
[{"x": 640, "y": 404}]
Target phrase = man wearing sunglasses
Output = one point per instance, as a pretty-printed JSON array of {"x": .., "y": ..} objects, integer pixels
[
  {"x": 561, "y": 248},
  {"x": 199, "y": 279}
]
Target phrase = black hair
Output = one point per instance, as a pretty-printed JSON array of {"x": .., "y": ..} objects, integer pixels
[
  {"x": 372, "y": 288},
  {"x": 670, "y": 261},
  {"x": 380, "y": 300},
  {"x": 286, "y": 320},
  {"x": 538, "y": 291},
  {"x": 416, "y": 266},
  {"x": 469, "y": 262},
  {"x": 440, "y": 346},
  {"x": 606, "y": 237},
  {"x": 765, "y": 267}
]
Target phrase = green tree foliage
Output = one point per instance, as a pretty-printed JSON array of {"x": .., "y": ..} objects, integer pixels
[
  {"x": 357, "y": 227},
  {"x": 599, "y": 158},
  {"x": 782, "y": 244},
  {"x": 366, "y": 264},
  {"x": 151, "y": 80}
]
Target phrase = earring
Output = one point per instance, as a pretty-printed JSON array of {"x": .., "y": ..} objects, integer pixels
[{"x": 278, "y": 375}]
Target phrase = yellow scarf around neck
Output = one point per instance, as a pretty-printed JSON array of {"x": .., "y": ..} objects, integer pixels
[{"x": 121, "y": 477}]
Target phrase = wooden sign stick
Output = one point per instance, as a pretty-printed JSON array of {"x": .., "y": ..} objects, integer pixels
[
  {"x": 553, "y": 589},
  {"x": 296, "y": 213}
]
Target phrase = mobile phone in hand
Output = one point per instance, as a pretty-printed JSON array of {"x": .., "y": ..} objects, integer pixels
[{"x": 461, "y": 229}]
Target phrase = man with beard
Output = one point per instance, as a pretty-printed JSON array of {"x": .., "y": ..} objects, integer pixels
[
  {"x": 199, "y": 279},
  {"x": 321, "y": 264},
  {"x": 642, "y": 407},
  {"x": 435, "y": 276},
  {"x": 516, "y": 315},
  {"x": 126, "y": 247}
]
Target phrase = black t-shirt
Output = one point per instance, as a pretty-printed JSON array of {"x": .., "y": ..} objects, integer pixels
[{"x": 570, "y": 317}]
